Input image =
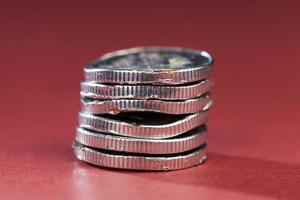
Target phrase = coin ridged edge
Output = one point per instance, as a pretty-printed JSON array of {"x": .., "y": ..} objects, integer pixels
[
  {"x": 137, "y": 77},
  {"x": 138, "y": 162},
  {"x": 103, "y": 124},
  {"x": 176, "y": 76},
  {"x": 135, "y": 145},
  {"x": 104, "y": 91},
  {"x": 115, "y": 106}
]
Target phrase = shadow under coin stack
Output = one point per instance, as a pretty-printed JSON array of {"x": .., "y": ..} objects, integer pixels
[{"x": 145, "y": 109}]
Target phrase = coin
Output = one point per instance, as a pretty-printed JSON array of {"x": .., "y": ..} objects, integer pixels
[
  {"x": 145, "y": 108},
  {"x": 182, "y": 143},
  {"x": 155, "y": 65},
  {"x": 143, "y": 125},
  {"x": 116, "y": 106},
  {"x": 112, "y": 159},
  {"x": 105, "y": 91}
]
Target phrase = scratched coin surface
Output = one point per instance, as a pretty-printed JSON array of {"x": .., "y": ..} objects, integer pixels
[{"x": 156, "y": 65}]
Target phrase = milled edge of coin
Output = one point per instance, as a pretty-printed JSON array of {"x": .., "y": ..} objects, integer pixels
[
  {"x": 149, "y": 146},
  {"x": 137, "y": 162},
  {"x": 115, "y": 106},
  {"x": 172, "y": 76},
  {"x": 117, "y": 127},
  {"x": 104, "y": 91}
]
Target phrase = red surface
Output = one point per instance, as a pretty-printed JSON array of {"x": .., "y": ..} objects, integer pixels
[{"x": 253, "y": 129}]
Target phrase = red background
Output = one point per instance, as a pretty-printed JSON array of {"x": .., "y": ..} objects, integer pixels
[{"x": 253, "y": 129}]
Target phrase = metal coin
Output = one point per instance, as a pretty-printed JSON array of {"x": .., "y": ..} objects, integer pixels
[
  {"x": 184, "y": 142},
  {"x": 111, "y": 159},
  {"x": 143, "y": 125},
  {"x": 104, "y": 91},
  {"x": 155, "y": 65},
  {"x": 115, "y": 106}
]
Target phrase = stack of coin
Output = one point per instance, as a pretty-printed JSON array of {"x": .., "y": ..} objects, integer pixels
[{"x": 145, "y": 109}]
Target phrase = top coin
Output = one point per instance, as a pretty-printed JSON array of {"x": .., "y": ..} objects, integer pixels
[{"x": 152, "y": 65}]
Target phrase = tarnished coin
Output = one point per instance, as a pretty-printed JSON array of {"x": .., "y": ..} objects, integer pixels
[
  {"x": 106, "y": 91},
  {"x": 155, "y": 65},
  {"x": 131, "y": 161},
  {"x": 142, "y": 124},
  {"x": 185, "y": 142},
  {"x": 116, "y": 106}
]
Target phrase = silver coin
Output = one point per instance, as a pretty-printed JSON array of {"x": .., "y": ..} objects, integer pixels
[
  {"x": 116, "y": 106},
  {"x": 110, "y": 159},
  {"x": 155, "y": 65},
  {"x": 104, "y": 91},
  {"x": 185, "y": 142},
  {"x": 143, "y": 125}
]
